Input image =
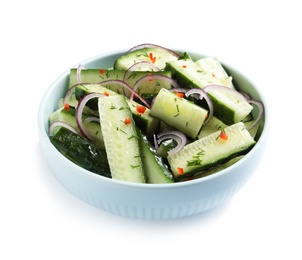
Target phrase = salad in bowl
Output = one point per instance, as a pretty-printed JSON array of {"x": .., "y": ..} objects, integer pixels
[{"x": 151, "y": 118}]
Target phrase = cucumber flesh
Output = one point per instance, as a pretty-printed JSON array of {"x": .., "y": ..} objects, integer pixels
[
  {"x": 212, "y": 65},
  {"x": 178, "y": 112},
  {"x": 156, "y": 170},
  {"x": 121, "y": 139},
  {"x": 212, "y": 126},
  {"x": 211, "y": 150},
  {"x": 228, "y": 107},
  {"x": 147, "y": 123},
  {"x": 165, "y": 147},
  {"x": 83, "y": 89},
  {"x": 189, "y": 74},
  {"x": 254, "y": 130}
]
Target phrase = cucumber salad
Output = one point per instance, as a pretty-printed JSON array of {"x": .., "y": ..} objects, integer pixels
[{"x": 155, "y": 116}]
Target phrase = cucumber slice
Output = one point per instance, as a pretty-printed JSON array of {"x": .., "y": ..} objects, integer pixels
[
  {"x": 144, "y": 121},
  {"x": 227, "y": 106},
  {"x": 212, "y": 126},
  {"x": 93, "y": 128},
  {"x": 254, "y": 130},
  {"x": 217, "y": 168},
  {"x": 189, "y": 74},
  {"x": 97, "y": 76},
  {"x": 178, "y": 112},
  {"x": 165, "y": 147},
  {"x": 210, "y": 151},
  {"x": 147, "y": 123},
  {"x": 121, "y": 139},
  {"x": 81, "y": 152},
  {"x": 156, "y": 170},
  {"x": 94, "y": 75},
  {"x": 83, "y": 89},
  {"x": 157, "y": 56},
  {"x": 212, "y": 65}
]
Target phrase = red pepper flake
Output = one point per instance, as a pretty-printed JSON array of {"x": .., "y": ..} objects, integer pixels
[
  {"x": 153, "y": 59},
  {"x": 127, "y": 121},
  {"x": 180, "y": 170},
  {"x": 106, "y": 93},
  {"x": 184, "y": 66},
  {"x": 179, "y": 94},
  {"x": 66, "y": 106},
  {"x": 102, "y": 71},
  {"x": 141, "y": 109},
  {"x": 223, "y": 136}
]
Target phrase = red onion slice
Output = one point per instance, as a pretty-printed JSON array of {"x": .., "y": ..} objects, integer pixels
[
  {"x": 246, "y": 95},
  {"x": 79, "y": 69},
  {"x": 68, "y": 94},
  {"x": 91, "y": 119},
  {"x": 60, "y": 124},
  {"x": 260, "y": 114},
  {"x": 150, "y": 45},
  {"x": 179, "y": 137},
  {"x": 154, "y": 77},
  {"x": 79, "y": 111},
  {"x": 155, "y": 142},
  {"x": 202, "y": 94}
]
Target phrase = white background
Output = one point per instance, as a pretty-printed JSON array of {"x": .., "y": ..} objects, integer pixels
[{"x": 39, "y": 219}]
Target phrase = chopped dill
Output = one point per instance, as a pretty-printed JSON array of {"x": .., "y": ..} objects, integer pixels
[
  {"x": 196, "y": 160},
  {"x": 132, "y": 136},
  {"x": 134, "y": 166},
  {"x": 123, "y": 132}
]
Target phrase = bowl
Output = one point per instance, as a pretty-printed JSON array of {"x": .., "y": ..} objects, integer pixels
[{"x": 148, "y": 201}]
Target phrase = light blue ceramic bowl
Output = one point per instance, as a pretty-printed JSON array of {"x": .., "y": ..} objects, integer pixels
[{"x": 147, "y": 201}]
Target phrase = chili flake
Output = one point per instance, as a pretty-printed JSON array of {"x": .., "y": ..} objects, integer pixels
[
  {"x": 180, "y": 170},
  {"x": 141, "y": 109},
  {"x": 102, "y": 71},
  {"x": 127, "y": 121},
  {"x": 66, "y": 106},
  {"x": 179, "y": 94},
  {"x": 223, "y": 136},
  {"x": 153, "y": 59}
]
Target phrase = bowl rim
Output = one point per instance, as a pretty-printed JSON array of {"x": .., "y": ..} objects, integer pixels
[{"x": 44, "y": 136}]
